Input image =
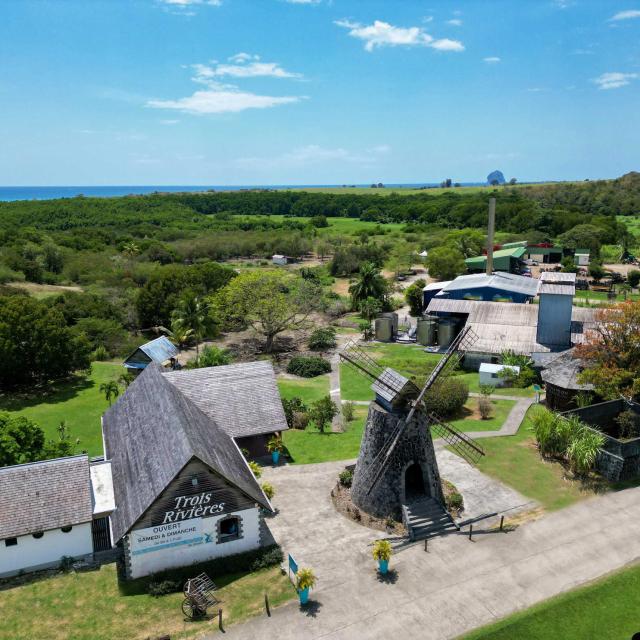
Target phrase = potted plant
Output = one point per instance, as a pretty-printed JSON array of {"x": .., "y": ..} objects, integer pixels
[
  {"x": 305, "y": 580},
  {"x": 275, "y": 447},
  {"x": 382, "y": 553}
]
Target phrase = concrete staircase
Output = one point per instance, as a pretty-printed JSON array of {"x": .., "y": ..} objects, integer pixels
[{"x": 427, "y": 518}]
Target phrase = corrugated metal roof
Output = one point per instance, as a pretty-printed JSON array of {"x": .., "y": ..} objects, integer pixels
[
  {"x": 498, "y": 280},
  {"x": 437, "y": 285},
  {"x": 556, "y": 289},
  {"x": 514, "y": 252},
  {"x": 40, "y": 496},
  {"x": 558, "y": 277},
  {"x": 159, "y": 350}
]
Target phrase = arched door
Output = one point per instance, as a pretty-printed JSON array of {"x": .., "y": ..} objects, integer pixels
[{"x": 414, "y": 488}]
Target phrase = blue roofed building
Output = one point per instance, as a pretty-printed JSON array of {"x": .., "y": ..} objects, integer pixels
[
  {"x": 497, "y": 287},
  {"x": 161, "y": 351}
]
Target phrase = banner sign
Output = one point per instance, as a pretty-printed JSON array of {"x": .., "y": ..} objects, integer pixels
[
  {"x": 166, "y": 536},
  {"x": 293, "y": 567}
]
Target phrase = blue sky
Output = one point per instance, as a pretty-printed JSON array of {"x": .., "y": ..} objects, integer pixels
[{"x": 316, "y": 91}]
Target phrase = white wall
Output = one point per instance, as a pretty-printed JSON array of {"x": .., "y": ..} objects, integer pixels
[
  {"x": 31, "y": 553},
  {"x": 182, "y": 556}
]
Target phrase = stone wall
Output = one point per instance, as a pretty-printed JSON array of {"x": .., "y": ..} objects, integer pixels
[{"x": 415, "y": 446}]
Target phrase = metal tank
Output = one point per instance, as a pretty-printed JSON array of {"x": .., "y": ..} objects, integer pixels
[
  {"x": 447, "y": 331},
  {"x": 394, "y": 319},
  {"x": 384, "y": 329},
  {"x": 426, "y": 331}
]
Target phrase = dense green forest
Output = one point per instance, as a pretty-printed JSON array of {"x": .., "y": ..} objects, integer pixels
[{"x": 132, "y": 259}]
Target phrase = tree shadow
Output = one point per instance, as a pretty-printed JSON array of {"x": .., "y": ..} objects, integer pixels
[
  {"x": 391, "y": 577},
  {"x": 18, "y": 399},
  {"x": 311, "y": 609}
]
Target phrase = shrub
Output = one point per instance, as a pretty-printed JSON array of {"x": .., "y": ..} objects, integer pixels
[
  {"x": 322, "y": 412},
  {"x": 454, "y": 501},
  {"x": 301, "y": 420},
  {"x": 268, "y": 489},
  {"x": 583, "y": 449},
  {"x": 275, "y": 444},
  {"x": 292, "y": 406},
  {"x": 255, "y": 468},
  {"x": 348, "y": 411},
  {"x": 305, "y": 579},
  {"x": 163, "y": 588},
  {"x": 346, "y": 478},
  {"x": 447, "y": 397},
  {"x": 308, "y": 366},
  {"x": 485, "y": 407},
  {"x": 628, "y": 424},
  {"x": 382, "y": 550},
  {"x": 487, "y": 389},
  {"x": 633, "y": 278},
  {"x": 100, "y": 353},
  {"x": 526, "y": 378},
  {"x": 322, "y": 339},
  {"x": 211, "y": 356}
]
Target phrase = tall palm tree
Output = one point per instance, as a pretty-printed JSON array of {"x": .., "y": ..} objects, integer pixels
[
  {"x": 192, "y": 313},
  {"x": 180, "y": 335},
  {"x": 110, "y": 389},
  {"x": 369, "y": 284}
]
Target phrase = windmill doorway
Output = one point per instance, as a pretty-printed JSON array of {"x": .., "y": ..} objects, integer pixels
[{"x": 414, "y": 488}]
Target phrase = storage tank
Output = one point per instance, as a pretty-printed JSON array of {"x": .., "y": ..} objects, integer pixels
[
  {"x": 426, "y": 331},
  {"x": 384, "y": 329},
  {"x": 447, "y": 331},
  {"x": 394, "y": 320}
]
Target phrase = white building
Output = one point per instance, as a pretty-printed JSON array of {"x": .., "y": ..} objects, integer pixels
[
  {"x": 493, "y": 374},
  {"x": 279, "y": 259},
  {"x": 46, "y": 513}
]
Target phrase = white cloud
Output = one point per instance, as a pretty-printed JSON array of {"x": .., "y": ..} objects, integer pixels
[
  {"x": 222, "y": 101},
  {"x": 455, "y": 22},
  {"x": 313, "y": 154},
  {"x": 614, "y": 80},
  {"x": 630, "y": 14},
  {"x": 380, "y": 34},
  {"x": 563, "y": 4},
  {"x": 169, "y": 122},
  {"x": 190, "y": 3},
  {"x": 427, "y": 19},
  {"x": 243, "y": 65},
  {"x": 492, "y": 59}
]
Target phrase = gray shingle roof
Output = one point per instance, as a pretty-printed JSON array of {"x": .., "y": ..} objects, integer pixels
[
  {"x": 243, "y": 399},
  {"x": 151, "y": 433},
  {"x": 40, "y": 496},
  {"x": 563, "y": 372}
]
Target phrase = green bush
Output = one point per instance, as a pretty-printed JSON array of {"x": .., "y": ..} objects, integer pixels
[
  {"x": 322, "y": 339},
  {"x": 100, "y": 353},
  {"x": 346, "y": 478},
  {"x": 211, "y": 356},
  {"x": 454, "y": 502},
  {"x": 163, "y": 587},
  {"x": 633, "y": 278},
  {"x": 292, "y": 407},
  {"x": 308, "y": 366},
  {"x": 447, "y": 397},
  {"x": 348, "y": 411}
]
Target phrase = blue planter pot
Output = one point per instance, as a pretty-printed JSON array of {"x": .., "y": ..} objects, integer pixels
[
  {"x": 303, "y": 594},
  {"x": 383, "y": 566},
  {"x": 275, "y": 456}
]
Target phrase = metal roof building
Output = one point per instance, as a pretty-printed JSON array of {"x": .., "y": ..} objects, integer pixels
[
  {"x": 159, "y": 350},
  {"x": 503, "y": 260}
]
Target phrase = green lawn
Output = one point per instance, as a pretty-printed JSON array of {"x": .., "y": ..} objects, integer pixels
[
  {"x": 77, "y": 606},
  {"x": 308, "y": 389},
  {"x": 472, "y": 378},
  {"x": 515, "y": 461},
  {"x": 501, "y": 409},
  {"x": 406, "y": 359},
  {"x": 78, "y": 402},
  {"x": 605, "y": 610},
  {"x": 309, "y": 446}
]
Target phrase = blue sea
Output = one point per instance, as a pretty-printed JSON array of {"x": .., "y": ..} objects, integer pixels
[{"x": 49, "y": 193}]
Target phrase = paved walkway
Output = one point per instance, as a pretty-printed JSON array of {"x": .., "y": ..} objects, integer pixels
[{"x": 457, "y": 586}]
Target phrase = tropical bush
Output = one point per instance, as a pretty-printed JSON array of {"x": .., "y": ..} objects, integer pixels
[
  {"x": 275, "y": 444},
  {"x": 308, "y": 366},
  {"x": 293, "y": 406},
  {"x": 583, "y": 449},
  {"x": 211, "y": 356},
  {"x": 485, "y": 407},
  {"x": 348, "y": 411},
  {"x": 628, "y": 424},
  {"x": 305, "y": 579},
  {"x": 346, "y": 478},
  {"x": 322, "y": 339},
  {"x": 268, "y": 490},
  {"x": 255, "y": 468},
  {"x": 322, "y": 412},
  {"x": 447, "y": 398},
  {"x": 454, "y": 501},
  {"x": 382, "y": 550}
]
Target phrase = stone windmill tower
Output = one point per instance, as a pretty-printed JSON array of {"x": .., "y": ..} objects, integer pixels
[{"x": 397, "y": 466}]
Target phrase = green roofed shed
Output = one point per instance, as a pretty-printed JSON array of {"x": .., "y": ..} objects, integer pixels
[{"x": 503, "y": 260}]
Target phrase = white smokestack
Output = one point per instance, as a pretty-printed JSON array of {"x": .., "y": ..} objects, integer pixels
[{"x": 490, "y": 234}]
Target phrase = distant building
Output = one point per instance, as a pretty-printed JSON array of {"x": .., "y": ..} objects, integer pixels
[
  {"x": 161, "y": 351},
  {"x": 492, "y": 374},
  {"x": 509, "y": 260},
  {"x": 544, "y": 253},
  {"x": 281, "y": 260},
  {"x": 582, "y": 257},
  {"x": 504, "y": 287}
]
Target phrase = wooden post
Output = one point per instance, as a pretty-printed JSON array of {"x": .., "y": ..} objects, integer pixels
[
  {"x": 266, "y": 604},
  {"x": 425, "y": 544},
  {"x": 470, "y": 531},
  {"x": 501, "y": 522},
  {"x": 490, "y": 235},
  {"x": 220, "y": 620}
]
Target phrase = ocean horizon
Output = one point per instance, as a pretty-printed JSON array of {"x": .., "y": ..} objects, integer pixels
[{"x": 8, "y": 194}]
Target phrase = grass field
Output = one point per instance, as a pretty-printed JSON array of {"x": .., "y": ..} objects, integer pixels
[
  {"x": 309, "y": 446},
  {"x": 308, "y": 389},
  {"x": 501, "y": 409},
  {"x": 77, "y": 606},
  {"x": 79, "y": 402},
  {"x": 473, "y": 380},
  {"x": 605, "y": 610}
]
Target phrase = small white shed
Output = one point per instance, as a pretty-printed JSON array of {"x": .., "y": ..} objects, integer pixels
[
  {"x": 278, "y": 259},
  {"x": 582, "y": 258},
  {"x": 490, "y": 373}
]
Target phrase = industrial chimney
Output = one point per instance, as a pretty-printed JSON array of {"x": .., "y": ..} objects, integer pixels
[{"x": 490, "y": 234}]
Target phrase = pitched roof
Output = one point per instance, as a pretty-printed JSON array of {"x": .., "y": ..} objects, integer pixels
[
  {"x": 44, "y": 495},
  {"x": 242, "y": 398},
  {"x": 557, "y": 283},
  {"x": 563, "y": 371},
  {"x": 391, "y": 385},
  {"x": 159, "y": 350},
  {"x": 498, "y": 280},
  {"x": 513, "y": 252},
  {"x": 151, "y": 433}
]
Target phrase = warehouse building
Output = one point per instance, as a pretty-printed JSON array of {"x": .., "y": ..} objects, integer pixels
[{"x": 509, "y": 260}]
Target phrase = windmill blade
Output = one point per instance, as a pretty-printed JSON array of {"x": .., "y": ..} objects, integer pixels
[{"x": 460, "y": 442}]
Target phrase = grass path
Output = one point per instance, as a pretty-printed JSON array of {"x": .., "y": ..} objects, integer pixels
[
  {"x": 79, "y": 402},
  {"x": 606, "y": 610}
]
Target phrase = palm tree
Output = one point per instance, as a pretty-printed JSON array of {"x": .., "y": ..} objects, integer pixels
[
  {"x": 192, "y": 313},
  {"x": 110, "y": 390},
  {"x": 130, "y": 249},
  {"x": 370, "y": 284},
  {"x": 180, "y": 336}
]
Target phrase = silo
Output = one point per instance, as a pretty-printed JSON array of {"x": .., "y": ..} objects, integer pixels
[
  {"x": 426, "y": 330},
  {"x": 447, "y": 331},
  {"x": 394, "y": 320},
  {"x": 384, "y": 329}
]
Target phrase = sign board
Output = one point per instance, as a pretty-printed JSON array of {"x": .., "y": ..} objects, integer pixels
[
  {"x": 166, "y": 536},
  {"x": 195, "y": 506},
  {"x": 293, "y": 567},
  {"x": 537, "y": 388}
]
